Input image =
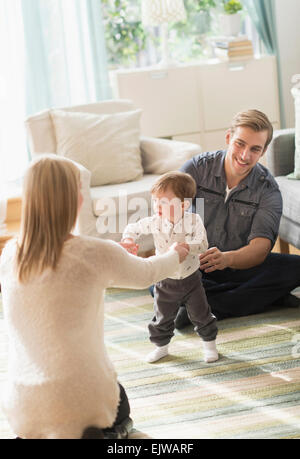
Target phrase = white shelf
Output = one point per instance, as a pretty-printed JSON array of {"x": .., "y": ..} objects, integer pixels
[{"x": 196, "y": 102}]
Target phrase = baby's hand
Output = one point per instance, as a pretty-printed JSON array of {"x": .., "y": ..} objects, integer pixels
[
  {"x": 182, "y": 249},
  {"x": 185, "y": 245},
  {"x": 129, "y": 245}
]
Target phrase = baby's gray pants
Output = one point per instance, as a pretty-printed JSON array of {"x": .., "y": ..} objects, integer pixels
[{"x": 169, "y": 294}]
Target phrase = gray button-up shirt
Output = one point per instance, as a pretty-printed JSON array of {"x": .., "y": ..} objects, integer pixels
[{"x": 253, "y": 208}]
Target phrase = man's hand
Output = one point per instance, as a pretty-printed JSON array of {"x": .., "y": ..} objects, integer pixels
[
  {"x": 129, "y": 245},
  {"x": 213, "y": 259},
  {"x": 246, "y": 257}
]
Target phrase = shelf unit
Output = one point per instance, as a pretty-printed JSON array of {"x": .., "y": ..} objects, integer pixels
[{"x": 196, "y": 102}]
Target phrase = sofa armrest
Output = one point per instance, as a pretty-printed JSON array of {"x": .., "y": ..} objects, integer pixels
[
  {"x": 281, "y": 152},
  {"x": 86, "y": 220},
  {"x": 162, "y": 155}
]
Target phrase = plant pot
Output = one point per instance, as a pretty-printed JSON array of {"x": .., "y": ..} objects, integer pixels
[{"x": 230, "y": 24}]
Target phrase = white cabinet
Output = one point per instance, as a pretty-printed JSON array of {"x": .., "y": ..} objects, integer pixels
[{"x": 197, "y": 102}]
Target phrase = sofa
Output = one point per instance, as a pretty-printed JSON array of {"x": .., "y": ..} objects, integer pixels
[
  {"x": 123, "y": 199},
  {"x": 280, "y": 158}
]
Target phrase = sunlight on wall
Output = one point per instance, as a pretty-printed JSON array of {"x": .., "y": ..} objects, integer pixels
[{"x": 13, "y": 154}]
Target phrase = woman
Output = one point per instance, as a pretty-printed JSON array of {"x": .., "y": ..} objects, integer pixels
[{"x": 61, "y": 383}]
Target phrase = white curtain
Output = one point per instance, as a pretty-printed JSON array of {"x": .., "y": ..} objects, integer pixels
[
  {"x": 65, "y": 53},
  {"x": 52, "y": 55},
  {"x": 13, "y": 151}
]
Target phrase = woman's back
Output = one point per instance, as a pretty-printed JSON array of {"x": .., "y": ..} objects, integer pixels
[
  {"x": 48, "y": 319},
  {"x": 60, "y": 377}
]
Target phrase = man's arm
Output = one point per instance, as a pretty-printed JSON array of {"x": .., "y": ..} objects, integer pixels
[
  {"x": 244, "y": 258},
  {"x": 262, "y": 237}
]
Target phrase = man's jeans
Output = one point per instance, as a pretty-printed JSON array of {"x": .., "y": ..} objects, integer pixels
[{"x": 235, "y": 293}]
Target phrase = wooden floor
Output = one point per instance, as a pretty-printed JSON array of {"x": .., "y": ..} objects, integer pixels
[{"x": 293, "y": 249}]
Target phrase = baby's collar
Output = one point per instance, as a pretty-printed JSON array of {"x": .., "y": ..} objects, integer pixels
[{"x": 167, "y": 224}]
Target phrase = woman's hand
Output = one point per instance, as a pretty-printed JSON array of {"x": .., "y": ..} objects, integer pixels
[
  {"x": 129, "y": 245},
  {"x": 213, "y": 259},
  {"x": 182, "y": 249}
]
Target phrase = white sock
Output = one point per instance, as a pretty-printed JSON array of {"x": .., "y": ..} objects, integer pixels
[
  {"x": 210, "y": 351},
  {"x": 158, "y": 353}
]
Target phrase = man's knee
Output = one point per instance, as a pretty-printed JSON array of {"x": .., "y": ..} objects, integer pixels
[{"x": 287, "y": 264}]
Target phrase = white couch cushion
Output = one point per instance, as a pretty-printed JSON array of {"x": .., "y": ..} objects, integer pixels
[
  {"x": 291, "y": 202},
  {"x": 117, "y": 205},
  {"x": 296, "y": 94},
  {"x": 107, "y": 145},
  {"x": 40, "y": 128},
  {"x": 162, "y": 155},
  {"x": 123, "y": 198}
]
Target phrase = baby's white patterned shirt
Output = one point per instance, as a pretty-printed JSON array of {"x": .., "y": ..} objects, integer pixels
[{"x": 189, "y": 229}]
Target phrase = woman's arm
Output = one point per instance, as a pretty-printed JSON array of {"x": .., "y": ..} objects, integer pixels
[{"x": 125, "y": 270}]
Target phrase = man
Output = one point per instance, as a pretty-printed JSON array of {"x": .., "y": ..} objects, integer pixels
[{"x": 242, "y": 211}]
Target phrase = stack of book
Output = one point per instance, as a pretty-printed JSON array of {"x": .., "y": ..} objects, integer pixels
[{"x": 232, "y": 48}]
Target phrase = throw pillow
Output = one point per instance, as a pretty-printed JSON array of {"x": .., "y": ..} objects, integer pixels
[
  {"x": 107, "y": 145},
  {"x": 296, "y": 173},
  {"x": 162, "y": 155}
]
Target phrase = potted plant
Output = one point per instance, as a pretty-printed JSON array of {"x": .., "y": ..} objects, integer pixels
[
  {"x": 230, "y": 20},
  {"x": 124, "y": 33}
]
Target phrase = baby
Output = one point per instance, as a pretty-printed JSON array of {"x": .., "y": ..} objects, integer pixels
[{"x": 171, "y": 223}]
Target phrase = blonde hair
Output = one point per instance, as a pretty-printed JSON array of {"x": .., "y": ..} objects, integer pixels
[
  {"x": 255, "y": 120},
  {"x": 183, "y": 185},
  {"x": 49, "y": 211}
]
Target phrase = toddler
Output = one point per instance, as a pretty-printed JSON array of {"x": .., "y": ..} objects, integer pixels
[{"x": 171, "y": 223}]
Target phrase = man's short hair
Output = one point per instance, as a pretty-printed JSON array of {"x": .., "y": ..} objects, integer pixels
[
  {"x": 182, "y": 185},
  {"x": 255, "y": 120}
]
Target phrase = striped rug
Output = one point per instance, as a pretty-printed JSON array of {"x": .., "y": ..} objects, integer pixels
[{"x": 253, "y": 391}]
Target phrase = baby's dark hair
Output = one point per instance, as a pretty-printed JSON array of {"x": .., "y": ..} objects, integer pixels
[{"x": 182, "y": 185}]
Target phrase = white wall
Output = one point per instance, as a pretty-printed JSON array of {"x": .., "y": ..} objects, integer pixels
[{"x": 288, "y": 31}]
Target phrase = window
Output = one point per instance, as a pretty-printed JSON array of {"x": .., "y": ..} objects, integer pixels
[
  {"x": 13, "y": 153},
  {"x": 130, "y": 44}
]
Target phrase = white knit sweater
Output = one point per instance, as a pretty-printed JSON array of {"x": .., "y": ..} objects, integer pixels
[{"x": 60, "y": 378}]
